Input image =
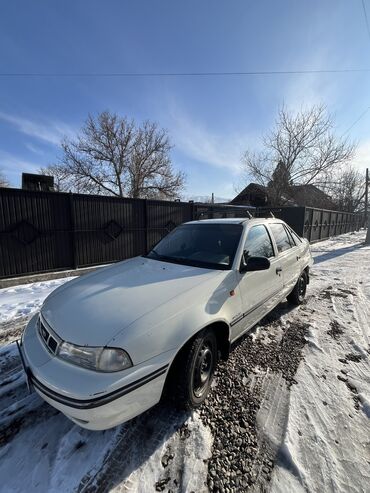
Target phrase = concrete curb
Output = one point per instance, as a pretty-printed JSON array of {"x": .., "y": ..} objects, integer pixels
[{"x": 47, "y": 276}]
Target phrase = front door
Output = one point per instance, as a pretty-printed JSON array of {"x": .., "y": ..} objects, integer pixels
[{"x": 260, "y": 290}]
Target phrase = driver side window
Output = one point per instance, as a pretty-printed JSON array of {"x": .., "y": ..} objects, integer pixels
[{"x": 258, "y": 243}]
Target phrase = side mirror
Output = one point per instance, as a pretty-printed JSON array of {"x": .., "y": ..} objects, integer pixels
[{"x": 255, "y": 263}]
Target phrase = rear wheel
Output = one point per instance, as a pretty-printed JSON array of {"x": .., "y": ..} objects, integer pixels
[
  {"x": 192, "y": 372},
  {"x": 298, "y": 294}
]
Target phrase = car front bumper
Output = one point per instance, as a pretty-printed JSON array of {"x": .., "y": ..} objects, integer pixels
[{"x": 93, "y": 400}]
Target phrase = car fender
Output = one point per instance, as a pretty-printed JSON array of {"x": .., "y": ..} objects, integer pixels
[{"x": 170, "y": 326}]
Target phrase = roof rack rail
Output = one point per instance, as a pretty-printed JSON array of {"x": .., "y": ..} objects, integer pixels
[{"x": 265, "y": 213}]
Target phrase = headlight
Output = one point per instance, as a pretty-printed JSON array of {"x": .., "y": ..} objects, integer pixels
[{"x": 95, "y": 358}]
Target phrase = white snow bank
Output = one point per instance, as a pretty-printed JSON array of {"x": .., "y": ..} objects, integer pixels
[
  {"x": 187, "y": 467},
  {"x": 197, "y": 450},
  {"x": 52, "y": 456},
  {"x": 25, "y": 299}
]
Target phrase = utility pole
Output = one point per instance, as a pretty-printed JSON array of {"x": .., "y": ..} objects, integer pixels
[
  {"x": 366, "y": 194},
  {"x": 367, "y": 222}
]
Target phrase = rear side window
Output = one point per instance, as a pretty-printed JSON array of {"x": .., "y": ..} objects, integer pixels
[
  {"x": 283, "y": 242},
  {"x": 290, "y": 236},
  {"x": 258, "y": 243},
  {"x": 296, "y": 238}
]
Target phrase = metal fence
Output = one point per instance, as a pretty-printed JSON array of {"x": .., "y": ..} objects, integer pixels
[
  {"x": 48, "y": 231},
  {"x": 319, "y": 224},
  {"x": 45, "y": 231}
]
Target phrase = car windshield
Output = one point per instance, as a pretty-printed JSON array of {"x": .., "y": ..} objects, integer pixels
[{"x": 211, "y": 246}]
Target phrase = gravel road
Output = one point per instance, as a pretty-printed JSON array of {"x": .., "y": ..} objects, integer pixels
[{"x": 264, "y": 360}]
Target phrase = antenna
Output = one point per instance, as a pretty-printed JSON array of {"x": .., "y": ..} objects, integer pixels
[
  {"x": 249, "y": 215},
  {"x": 272, "y": 215}
]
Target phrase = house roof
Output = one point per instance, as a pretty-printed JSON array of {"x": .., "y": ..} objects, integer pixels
[
  {"x": 244, "y": 196},
  {"x": 299, "y": 195},
  {"x": 310, "y": 195}
]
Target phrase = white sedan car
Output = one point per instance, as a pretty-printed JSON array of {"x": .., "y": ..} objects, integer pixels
[{"x": 109, "y": 345}]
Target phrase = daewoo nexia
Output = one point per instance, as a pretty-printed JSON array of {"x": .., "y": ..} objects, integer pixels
[{"x": 109, "y": 345}]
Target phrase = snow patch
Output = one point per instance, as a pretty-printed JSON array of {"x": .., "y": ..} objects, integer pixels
[
  {"x": 180, "y": 462},
  {"x": 51, "y": 456},
  {"x": 25, "y": 299},
  {"x": 328, "y": 419},
  {"x": 312, "y": 338},
  {"x": 197, "y": 451}
]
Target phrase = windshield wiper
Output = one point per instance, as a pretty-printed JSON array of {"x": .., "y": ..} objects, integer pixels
[
  {"x": 155, "y": 252},
  {"x": 157, "y": 255}
]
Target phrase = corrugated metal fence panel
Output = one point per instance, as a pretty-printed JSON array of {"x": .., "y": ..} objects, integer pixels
[
  {"x": 333, "y": 222},
  {"x": 340, "y": 219},
  {"x": 315, "y": 225},
  {"x": 294, "y": 216},
  {"x": 44, "y": 231},
  {"x": 107, "y": 229},
  {"x": 34, "y": 232},
  {"x": 220, "y": 211},
  {"x": 163, "y": 216},
  {"x": 320, "y": 223},
  {"x": 338, "y": 223},
  {"x": 325, "y": 224}
]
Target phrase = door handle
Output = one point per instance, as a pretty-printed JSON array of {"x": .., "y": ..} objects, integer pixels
[
  {"x": 298, "y": 257},
  {"x": 278, "y": 270}
]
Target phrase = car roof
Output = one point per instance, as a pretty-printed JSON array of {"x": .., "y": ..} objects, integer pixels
[{"x": 235, "y": 220}]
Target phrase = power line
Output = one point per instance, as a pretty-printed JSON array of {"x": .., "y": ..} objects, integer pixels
[
  {"x": 366, "y": 18},
  {"x": 179, "y": 74},
  {"x": 356, "y": 121}
]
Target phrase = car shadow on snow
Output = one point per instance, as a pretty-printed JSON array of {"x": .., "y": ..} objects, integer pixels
[{"x": 337, "y": 253}]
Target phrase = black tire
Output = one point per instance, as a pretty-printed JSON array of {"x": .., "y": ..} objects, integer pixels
[
  {"x": 298, "y": 294},
  {"x": 191, "y": 374}
]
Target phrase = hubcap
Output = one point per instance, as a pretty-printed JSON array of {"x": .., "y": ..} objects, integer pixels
[
  {"x": 203, "y": 369},
  {"x": 302, "y": 287}
]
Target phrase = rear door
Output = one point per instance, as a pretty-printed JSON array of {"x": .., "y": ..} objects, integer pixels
[
  {"x": 288, "y": 254},
  {"x": 261, "y": 290},
  {"x": 300, "y": 250}
]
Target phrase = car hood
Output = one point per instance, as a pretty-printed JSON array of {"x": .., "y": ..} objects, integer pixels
[{"x": 92, "y": 309}]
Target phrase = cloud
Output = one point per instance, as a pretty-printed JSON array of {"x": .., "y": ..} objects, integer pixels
[
  {"x": 50, "y": 131},
  {"x": 201, "y": 144},
  {"x": 309, "y": 89},
  {"x": 34, "y": 149},
  {"x": 13, "y": 166},
  {"x": 361, "y": 159}
]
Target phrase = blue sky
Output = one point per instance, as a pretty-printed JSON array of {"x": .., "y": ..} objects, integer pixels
[{"x": 211, "y": 120}]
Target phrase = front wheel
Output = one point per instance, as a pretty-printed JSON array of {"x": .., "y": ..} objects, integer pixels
[
  {"x": 193, "y": 370},
  {"x": 298, "y": 294}
]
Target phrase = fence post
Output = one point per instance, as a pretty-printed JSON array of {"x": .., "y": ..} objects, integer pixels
[
  {"x": 310, "y": 225},
  {"x": 367, "y": 239},
  {"x": 320, "y": 233},
  {"x": 192, "y": 211},
  {"x": 72, "y": 231},
  {"x": 146, "y": 225}
]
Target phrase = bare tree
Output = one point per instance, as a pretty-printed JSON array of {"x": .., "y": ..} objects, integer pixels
[
  {"x": 63, "y": 180},
  {"x": 298, "y": 151},
  {"x": 3, "y": 181},
  {"x": 115, "y": 156},
  {"x": 346, "y": 187}
]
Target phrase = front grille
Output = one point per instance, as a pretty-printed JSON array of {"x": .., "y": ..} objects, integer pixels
[{"x": 48, "y": 339}]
